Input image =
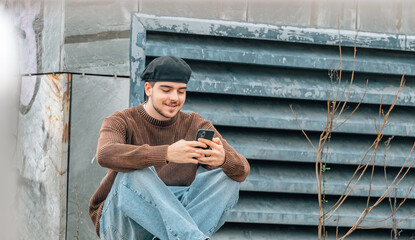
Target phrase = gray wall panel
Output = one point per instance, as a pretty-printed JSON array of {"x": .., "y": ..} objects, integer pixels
[
  {"x": 39, "y": 25},
  {"x": 86, "y": 17},
  {"x": 93, "y": 99},
  {"x": 98, "y": 57}
]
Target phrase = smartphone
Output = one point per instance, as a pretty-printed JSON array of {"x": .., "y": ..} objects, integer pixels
[{"x": 206, "y": 134}]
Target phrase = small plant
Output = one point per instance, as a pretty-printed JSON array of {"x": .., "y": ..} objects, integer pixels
[{"x": 335, "y": 107}]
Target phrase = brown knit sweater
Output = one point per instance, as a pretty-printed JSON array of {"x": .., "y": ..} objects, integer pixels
[{"x": 132, "y": 139}]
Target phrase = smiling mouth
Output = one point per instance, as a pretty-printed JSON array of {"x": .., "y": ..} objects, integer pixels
[{"x": 172, "y": 106}]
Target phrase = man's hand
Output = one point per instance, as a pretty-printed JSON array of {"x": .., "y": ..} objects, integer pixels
[
  {"x": 185, "y": 151},
  {"x": 213, "y": 157}
]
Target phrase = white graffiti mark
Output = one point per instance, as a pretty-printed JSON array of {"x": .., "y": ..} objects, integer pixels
[{"x": 29, "y": 23}]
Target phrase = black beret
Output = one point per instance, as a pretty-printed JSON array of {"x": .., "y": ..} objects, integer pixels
[{"x": 167, "y": 69}]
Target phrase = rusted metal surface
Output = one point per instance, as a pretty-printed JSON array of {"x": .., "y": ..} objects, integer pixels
[{"x": 43, "y": 137}]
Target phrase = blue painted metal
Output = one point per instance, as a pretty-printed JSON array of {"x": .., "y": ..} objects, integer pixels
[
  {"x": 300, "y": 179},
  {"x": 277, "y": 82},
  {"x": 303, "y": 210},
  {"x": 293, "y": 146},
  {"x": 283, "y": 54},
  {"x": 232, "y": 231},
  {"x": 244, "y": 78},
  {"x": 275, "y": 33},
  {"x": 276, "y": 114}
]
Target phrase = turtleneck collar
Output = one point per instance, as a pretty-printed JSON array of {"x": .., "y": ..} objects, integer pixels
[{"x": 154, "y": 121}]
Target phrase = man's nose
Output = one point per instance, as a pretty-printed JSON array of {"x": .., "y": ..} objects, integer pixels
[{"x": 174, "y": 95}]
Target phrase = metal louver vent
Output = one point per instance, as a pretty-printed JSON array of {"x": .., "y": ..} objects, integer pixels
[{"x": 244, "y": 78}]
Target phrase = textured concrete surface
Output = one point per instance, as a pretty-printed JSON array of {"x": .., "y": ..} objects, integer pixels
[
  {"x": 98, "y": 57},
  {"x": 383, "y": 17},
  {"x": 280, "y": 13},
  {"x": 334, "y": 14},
  {"x": 408, "y": 18},
  {"x": 43, "y": 137},
  {"x": 235, "y": 10},
  {"x": 97, "y": 32},
  {"x": 40, "y": 30},
  {"x": 86, "y": 17},
  {"x": 93, "y": 99}
]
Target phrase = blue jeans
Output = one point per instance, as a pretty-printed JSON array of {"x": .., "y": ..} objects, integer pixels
[{"x": 140, "y": 206}]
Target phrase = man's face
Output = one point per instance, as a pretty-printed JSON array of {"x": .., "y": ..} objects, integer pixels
[{"x": 165, "y": 99}]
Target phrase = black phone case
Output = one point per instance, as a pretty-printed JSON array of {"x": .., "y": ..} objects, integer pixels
[{"x": 206, "y": 134}]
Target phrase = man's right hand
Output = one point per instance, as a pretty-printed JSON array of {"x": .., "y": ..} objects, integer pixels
[{"x": 184, "y": 151}]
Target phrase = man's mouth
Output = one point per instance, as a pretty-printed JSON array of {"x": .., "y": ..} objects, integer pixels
[{"x": 172, "y": 106}]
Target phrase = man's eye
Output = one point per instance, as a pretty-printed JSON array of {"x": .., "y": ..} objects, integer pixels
[
  {"x": 165, "y": 90},
  {"x": 182, "y": 92}
]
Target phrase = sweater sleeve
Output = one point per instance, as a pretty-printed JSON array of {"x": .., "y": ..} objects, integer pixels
[
  {"x": 114, "y": 153},
  {"x": 235, "y": 166}
]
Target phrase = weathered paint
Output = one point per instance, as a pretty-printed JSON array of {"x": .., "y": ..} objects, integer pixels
[
  {"x": 244, "y": 78},
  {"x": 43, "y": 164},
  {"x": 137, "y": 60},
  {"x": 275, "y": 33},
  {"x": 261, "y": 81},
  {"x": 303, "y": 209},
  {"x": 272, "y": 145},
  {"x": 283, "y": 54},
  {"x": 294, "y": 178},
  {"x": 231, "y": 231},
  {"x": 276, "y": 114}
]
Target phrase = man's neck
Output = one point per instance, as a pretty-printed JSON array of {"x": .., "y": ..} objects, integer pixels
[{"x": 153, "y": 113}]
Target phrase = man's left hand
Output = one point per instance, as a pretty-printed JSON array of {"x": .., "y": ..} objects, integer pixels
[{"x": 215, "y": 156}]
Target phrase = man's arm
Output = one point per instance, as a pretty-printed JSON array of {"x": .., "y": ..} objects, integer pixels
[{"x": 113, "y": 152}]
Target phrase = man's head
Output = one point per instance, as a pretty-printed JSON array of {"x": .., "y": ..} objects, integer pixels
[{"x": 166, "y": 82}]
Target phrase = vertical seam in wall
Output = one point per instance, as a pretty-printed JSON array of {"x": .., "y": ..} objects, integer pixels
[
  {"x": 357, "y": 16},
  {"x": 399, "y": 16},
  {"x": 69, "y": 76},
  {"x": 246, "y": 12},
  {"x": 62, "y": 42},
  {"x": 314, "y": 14}
]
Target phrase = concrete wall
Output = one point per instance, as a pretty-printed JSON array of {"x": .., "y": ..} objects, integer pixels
[
  {"x": 43, "y": 139},
  {"x": 97, "y": 31},
  {"x": 92, "y": 36}
]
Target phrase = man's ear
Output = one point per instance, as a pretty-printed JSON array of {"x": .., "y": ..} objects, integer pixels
[{"x": 147, "y": 88}]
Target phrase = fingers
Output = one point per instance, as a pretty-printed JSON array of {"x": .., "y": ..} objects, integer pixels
[
  {"x": 191, "y": 160},
  {"x": 197, "y": 144},
  {"x": 217, "y": 141},
  {"x": 206, "y": 152},
  {"x": 211, "y": 144}
]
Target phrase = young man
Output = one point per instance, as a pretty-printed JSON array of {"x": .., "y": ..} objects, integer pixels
[{"x": 152, "y": 190}]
